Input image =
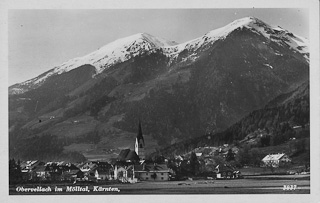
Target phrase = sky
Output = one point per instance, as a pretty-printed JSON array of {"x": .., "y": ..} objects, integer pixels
[{"x": 40, "y": 39}]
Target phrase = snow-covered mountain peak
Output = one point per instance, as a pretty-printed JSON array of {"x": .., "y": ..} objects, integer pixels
[
  {"x": 114, "y": 52},
  {"x": 117, "y": 51},
  {"x": 126, "y": 48},
  {"x": 153, "y": 41},
  {"x": 276, "y": 34},
  {"x": 248, "y": 22},
  {"x": 160, "y": 42},
  {"x": 209, "y": 37}
]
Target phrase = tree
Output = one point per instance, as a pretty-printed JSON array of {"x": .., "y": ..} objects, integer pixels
[
  {"x": 300, "y": 146},
  {"x": 243, "y": 155},
  {"x": 255, "y": 156},
  {"x": 265, "y": 141},
  {"x": 15, "y": 174},
  {"x": 159, "y": 159},
  {"x": 154, "y": 176},
  {"x": 219, "y": 160},
  {"x": 230, "y": 155},
  {"x": 194, "y": 163},
  {"x": 174, "y": 165}
]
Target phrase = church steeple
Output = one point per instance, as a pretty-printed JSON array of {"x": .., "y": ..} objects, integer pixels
[
  {"x": 139, "y": 145},
  {"x": 139, "y": 135}
]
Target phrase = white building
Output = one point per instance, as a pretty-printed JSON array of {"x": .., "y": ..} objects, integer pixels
[
  {"x": 275, "y": 160},
  {"x": 152, "y": 172}
]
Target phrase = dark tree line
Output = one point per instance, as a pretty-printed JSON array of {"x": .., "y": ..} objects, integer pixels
[
  {"x": 44, "y": 147},
  {"x": 15, "y": 174},
  {"x": 276, "y": 120},
  {"x": 187, "y": 167}
]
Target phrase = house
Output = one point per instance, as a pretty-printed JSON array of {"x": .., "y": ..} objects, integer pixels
[
  {"x": 226, "y": 171},
  {"x": 88, "y": 167},
  {"x": 275, "y": 160},
  {"x": 54, "y": 171},
  {"x": 199, "y": 154},
  {"x": 103, "y": 171},
  {"x": 27, "y": 169},
  {"x": 88, "y": 170},
  {"x": 124, "y": 171},
  {"x": 42, "y": 172},
  {"x": 102, "y": 175},
  {"x": 152, "y": 172},
  {"x": 29, "y": 165},
  {"x": 72, "y": 175},
  {"x": 63, "y": 171}
]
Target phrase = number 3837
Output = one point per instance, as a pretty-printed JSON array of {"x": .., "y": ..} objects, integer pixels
[{"x": 289, "y": 187}]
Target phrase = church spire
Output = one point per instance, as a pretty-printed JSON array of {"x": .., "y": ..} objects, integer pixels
[
  {"x": 139, "y": 135},
  {"x": 139, "y": 145}
]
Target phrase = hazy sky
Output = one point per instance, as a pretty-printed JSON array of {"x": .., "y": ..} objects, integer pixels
[{"x": 39, "y": 40}]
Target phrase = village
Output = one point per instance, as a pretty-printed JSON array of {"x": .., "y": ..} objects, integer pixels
[{"x": 131, "y": 166}]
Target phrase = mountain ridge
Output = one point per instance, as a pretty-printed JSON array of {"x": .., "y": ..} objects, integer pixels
[
  {"x": 202, "y": 86},
  {"x": 125, "y": 48}
]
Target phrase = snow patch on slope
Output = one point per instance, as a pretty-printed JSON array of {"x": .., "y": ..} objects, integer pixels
[
  {"x": 276, "y": 34},
  {"x": 125, "y": 48},
  {"x": 268, "y": 65},
  {"x": 115, "y": 52}
]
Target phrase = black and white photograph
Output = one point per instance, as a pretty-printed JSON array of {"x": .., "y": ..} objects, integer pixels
[{"x": 187, "y": 100}]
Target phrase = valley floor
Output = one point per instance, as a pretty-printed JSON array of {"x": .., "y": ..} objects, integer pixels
[{"x": 300, "y": 184}]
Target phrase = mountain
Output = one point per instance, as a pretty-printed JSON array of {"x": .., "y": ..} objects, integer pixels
[
  {"x": 178, "y": 91},
  {"x": 278, "y": 120},
  {"x": 113, "y": 53},
  {"x": 123, "y": 49}
]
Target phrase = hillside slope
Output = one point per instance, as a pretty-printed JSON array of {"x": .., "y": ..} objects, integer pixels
[
  {"x": 277, "y": 119},
  {"x": 178, "y": 91}
]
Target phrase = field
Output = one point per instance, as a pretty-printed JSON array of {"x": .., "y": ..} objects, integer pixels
[{"x": 294, "y": 184}]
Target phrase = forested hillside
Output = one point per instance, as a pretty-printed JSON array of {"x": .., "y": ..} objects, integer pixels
[{"x": 278, "y": 119}]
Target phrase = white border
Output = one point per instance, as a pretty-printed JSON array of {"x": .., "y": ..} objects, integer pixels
[{"x": 313, "y": 6}]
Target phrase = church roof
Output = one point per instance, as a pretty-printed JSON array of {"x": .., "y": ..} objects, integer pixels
[
  {"x": 132, "y": 155},
  {"x": 128, "y": 155}
]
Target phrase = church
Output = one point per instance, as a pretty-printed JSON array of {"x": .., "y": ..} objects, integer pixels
[
  {"x": 131, "y": 165},
  {"x": 136, "y": 155},
  {"x": 127, "y": 159}
]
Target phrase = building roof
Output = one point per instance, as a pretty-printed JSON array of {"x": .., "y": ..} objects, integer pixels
[
  {"x": 103, "y": 165},
  {"x": 41, "y": 168},
  {"x": 224, "y": 167},
  {"x": 102, "y": 171},
  {"x": 151, "y": 168},
  {"x": 74, "y": 172},
  {"x": 132, "y": 156},
  {"x": 88, "y": 166},
  {"x": 198, "y": 154},
  {"x": 273, "y": 157},
  {"x": 128, "y": 155},
  {"x": 123, "y": 154},
  {"x": 30, "y": 164}
]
